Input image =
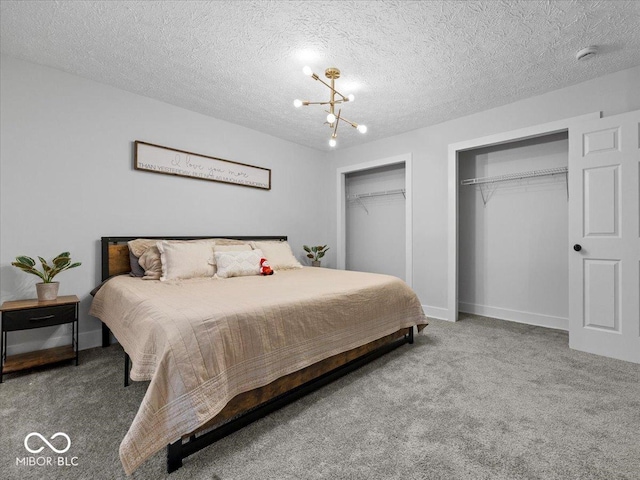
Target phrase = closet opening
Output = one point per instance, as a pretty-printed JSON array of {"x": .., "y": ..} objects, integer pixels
[
  {"x": 375, "y": 217},
  {"x": 513, "y": 231},
  {"x": 375, "y": 220}
]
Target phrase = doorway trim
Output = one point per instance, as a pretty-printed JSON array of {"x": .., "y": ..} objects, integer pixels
[
  {"x": 541, "y": 130},
  {"x": 341, "y": 174}
]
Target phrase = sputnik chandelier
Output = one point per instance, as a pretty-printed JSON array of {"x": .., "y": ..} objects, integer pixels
[{"x": 337, "y": 98}]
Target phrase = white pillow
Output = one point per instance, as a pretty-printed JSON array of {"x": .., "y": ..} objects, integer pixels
[
  {"x": 278, "y": 254},
  {"x": 231, "y": 248},
  {"x": 238, "y": 264},
  {"x": 185, "y": 260}
]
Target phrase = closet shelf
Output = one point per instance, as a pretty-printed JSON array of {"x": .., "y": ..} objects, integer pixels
[
  {"x": 359, "y": 196},
  {"x": 515, "y": 176},
  {"x": 485, "y": 182},
  {"x": 382, "y": 193}
]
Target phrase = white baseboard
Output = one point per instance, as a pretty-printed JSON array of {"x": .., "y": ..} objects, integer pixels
[
  {"x": 435, "y": 312},
  {"x": 530, "y": 318},
  {"x": 90, "y": 339},
  {"x": 86, "y": 340}
]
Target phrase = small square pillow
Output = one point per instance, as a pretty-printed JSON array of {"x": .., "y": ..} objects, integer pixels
[
  {"x": 238, "y": 264},
  {"x": 228, "y": 248},
  {"x": 183, "y": 260},
  {"x": 278, "y": 254}
]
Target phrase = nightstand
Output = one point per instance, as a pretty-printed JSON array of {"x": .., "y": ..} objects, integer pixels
[{"x": 28, "y": 314}]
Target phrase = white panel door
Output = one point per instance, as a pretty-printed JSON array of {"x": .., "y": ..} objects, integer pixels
[{"x": 604, "y": 236}]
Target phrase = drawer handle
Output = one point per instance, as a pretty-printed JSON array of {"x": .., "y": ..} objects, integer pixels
[{"x": 39, "y": 319}]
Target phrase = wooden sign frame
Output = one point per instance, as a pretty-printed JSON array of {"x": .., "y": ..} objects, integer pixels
[{"x": 171, "y": 161}]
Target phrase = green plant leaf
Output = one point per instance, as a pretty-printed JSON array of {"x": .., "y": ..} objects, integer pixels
[
  {"x": 63, "y": 254},
  {"x": 45, "y": 266},
  {"x": 22, "y": 266},
  {"x": 26, "y": 260},
  {"x": 61, "y": 262},
  {"x": 309, "y": 255},
  {"x": 306, "y": 249},
  {"x": 320, "y": 254},
  {"x": 31, "y": 270},
  {"x": 314, "y": 249}
]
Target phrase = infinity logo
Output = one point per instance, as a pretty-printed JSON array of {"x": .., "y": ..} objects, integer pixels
[{"x": 36, "y": 434}]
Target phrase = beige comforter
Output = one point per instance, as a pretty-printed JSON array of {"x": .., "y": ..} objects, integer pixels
[{"x": 203, "y": 341}]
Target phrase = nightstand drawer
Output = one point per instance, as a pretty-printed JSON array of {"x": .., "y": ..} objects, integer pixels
[{"x": 38, "y": 317}]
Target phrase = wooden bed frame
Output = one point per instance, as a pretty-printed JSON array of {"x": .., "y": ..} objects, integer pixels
[{"x": 254, "y": 404}]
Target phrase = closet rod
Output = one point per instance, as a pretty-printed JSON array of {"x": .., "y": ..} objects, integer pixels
[
  {"x": 359, "y": 196},
  {"x": 515, "y": 176},
  {"x": 356, "y": 196}
]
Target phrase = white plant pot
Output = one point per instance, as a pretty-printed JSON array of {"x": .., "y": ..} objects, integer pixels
[{"x": 47, "y": 291}]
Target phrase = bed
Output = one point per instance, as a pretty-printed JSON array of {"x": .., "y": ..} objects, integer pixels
[{"x": 221, "y": 352}]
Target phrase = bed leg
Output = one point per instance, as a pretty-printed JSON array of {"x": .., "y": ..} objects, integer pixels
[
  {"x": 106, "y": 341},
  {"x": 174, "y": 456},
  {"x": 410, "y": 336},
  {"x": 126, "y": 369}
]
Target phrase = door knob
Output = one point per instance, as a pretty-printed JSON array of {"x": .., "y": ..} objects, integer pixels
[{"x": 577, "y": 247}]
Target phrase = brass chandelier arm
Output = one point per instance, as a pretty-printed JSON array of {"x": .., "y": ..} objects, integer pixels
[
  {"x": 305, "y": 103},
  {"x": 315, "y": 77},
  {"x": 317, "y": 103},
  {"x": 338, "y": 118},
  {"x": 335, "y": 130}
]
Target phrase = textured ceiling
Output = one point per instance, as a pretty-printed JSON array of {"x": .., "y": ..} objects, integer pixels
[{"x": 409, "y": 64}]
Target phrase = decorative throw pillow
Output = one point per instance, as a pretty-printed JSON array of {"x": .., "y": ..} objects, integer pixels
[
  {"x": 151, "y": 264},
  {"x": 278, "y": 254},
  {"x": 136, "y": 269},
  {"x": 238, "y": 264},
  {"x": 228, "y": 248},
  {"x": 141, "y": 245},
  {"x": 181, "y": 260}
]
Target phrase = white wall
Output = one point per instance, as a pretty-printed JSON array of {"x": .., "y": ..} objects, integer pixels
[
  {"x": 612, "y": 94},
  {"x": 513, "y": 255},
  {"x": 375, "y": 237},
  {"x": 66, "y": 179}
]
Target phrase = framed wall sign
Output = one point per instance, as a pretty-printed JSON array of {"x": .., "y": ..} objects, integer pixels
[{"x": 159, "y": 159}]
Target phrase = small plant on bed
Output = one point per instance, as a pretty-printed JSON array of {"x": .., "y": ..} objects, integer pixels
[
  {"x": 315, "y": 253},
  {"x": 47, "y": 289}
]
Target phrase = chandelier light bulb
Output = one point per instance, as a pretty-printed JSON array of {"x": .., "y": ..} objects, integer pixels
[
  {"x": 307, "y": 70},
  {"x": 297, "y": 103},
  {"x": 351, "y": 97},
  {"x": 331, "y": 118},
  {"x": 332, "y": 142},
  {"x": 362, "y": 128}
]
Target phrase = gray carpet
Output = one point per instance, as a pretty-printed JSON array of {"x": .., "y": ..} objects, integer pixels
[{"x": 480, "y": 398}]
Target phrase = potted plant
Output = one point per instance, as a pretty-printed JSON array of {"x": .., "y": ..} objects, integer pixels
[
  {"x": 315, "y": 254},
  {"x": 47, "y": 289}
]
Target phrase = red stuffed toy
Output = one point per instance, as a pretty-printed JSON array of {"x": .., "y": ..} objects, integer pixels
[{"x": 265, "y": 269}]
